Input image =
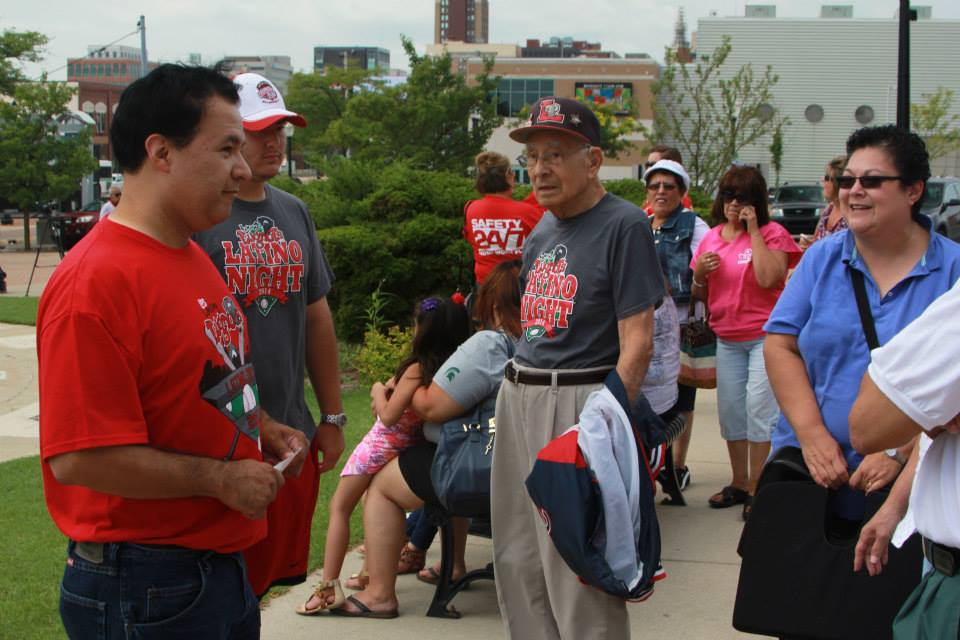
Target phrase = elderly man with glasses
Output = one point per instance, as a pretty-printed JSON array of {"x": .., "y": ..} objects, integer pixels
[{"x": 591, "y": 282}]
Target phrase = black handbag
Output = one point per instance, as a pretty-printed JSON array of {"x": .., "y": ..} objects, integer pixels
[
  {"x": 796, "y": 575},
  {"x": 461, "y": 465}
]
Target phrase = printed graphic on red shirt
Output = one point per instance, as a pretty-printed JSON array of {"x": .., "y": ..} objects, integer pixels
[
  {"x": 262, "y": 267},
  {"x": 550, "y": 295},
  {"x": 230, "y": 385},
  {"x": 497, "y": 236}
]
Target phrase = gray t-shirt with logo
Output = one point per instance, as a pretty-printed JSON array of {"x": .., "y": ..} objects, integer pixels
[
  {"x": 269, "y": 255},
  {"x": 581, "y": 276}
]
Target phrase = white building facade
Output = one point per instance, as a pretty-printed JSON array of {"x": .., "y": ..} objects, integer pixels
[{"x": 835, "y": 76}]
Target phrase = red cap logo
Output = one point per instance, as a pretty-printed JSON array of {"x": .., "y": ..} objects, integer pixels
[
  {"x": 267, "y": 93},
  {"x": 550, "y": 112}
]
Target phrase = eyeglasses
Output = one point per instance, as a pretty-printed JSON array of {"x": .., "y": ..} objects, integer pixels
[
  {"x": 665, "y": 186},
  {"x": 548, "y": 158},
  {"x": 729, "y": 195},
  {"x": 867, "y": 182},
  {"x": 648, "y": 164}
]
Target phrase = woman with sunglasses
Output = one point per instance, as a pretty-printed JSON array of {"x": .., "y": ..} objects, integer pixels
[
  {"x": 831, "y": 219},
  {"x": 816, "y": 348},
  {"x": 740, "y": 269},
  {"x": 677, "y": 232}
]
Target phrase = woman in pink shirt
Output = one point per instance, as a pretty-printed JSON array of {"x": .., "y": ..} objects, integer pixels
[{"x": 740, "y": 269}]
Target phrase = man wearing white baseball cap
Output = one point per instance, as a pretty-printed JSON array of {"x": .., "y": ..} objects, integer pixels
[
  {"x": 268, "y": 253},
  {"x": 677, "y": 231}
]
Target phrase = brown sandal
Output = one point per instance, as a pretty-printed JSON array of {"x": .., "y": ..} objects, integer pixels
[
  {"x": 358, "y": 581},
  {"x": 323, "y": 591},
  {"x": 412, "y": 560}
]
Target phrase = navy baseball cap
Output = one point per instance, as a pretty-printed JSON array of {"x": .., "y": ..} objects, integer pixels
[{"x": 565, "y": 115}]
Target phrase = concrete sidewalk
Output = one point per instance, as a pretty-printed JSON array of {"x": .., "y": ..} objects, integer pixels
[{"x": 694, "y": 602}]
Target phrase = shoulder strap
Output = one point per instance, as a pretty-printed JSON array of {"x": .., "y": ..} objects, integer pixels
[{"x": 863, "y": 306}]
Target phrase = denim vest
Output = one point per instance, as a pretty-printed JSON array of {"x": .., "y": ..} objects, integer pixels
[{"x": 673, "y": 250}]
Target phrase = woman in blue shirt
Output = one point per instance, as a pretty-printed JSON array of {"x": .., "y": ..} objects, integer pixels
[{"x": 816, "y": 352}]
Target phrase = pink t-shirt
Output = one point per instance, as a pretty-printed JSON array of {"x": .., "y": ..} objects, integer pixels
[{"x": 738, "y": 305}]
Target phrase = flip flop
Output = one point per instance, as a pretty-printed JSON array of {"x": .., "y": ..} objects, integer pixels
[
  {"x": 363, "y": 611},
  {"x": 728, "y": 497},
  {"x": 432, "y": 577}
]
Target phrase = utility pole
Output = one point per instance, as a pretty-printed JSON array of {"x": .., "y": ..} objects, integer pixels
[
  {"x": 142, "y": 25},
  {"x": 903, "y": 66}
]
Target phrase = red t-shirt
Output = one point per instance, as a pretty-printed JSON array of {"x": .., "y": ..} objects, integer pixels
[
  {"x": 739, "y": 306},
  {"x": 142, "y": 344},
  {"x": 496, "y": 226}
]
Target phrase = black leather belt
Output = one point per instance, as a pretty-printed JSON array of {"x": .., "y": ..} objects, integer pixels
[
  {"x": 564, "y": 379},
  {"x": 944, "y": 559}
]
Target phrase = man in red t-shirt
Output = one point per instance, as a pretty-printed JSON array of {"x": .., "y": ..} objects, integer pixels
[{"x": 150, "y": 426}]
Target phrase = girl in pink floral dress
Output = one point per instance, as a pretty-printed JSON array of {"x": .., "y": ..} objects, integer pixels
[{"x": 441, "y": 325}]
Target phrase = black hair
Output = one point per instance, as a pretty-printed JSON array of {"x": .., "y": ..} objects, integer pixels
[
  {"x": 170, "y": 101},
  {"x": 905, "y": 148},
  {"x": 442, "y": 325},
  {"x": 748, "y": 181}
]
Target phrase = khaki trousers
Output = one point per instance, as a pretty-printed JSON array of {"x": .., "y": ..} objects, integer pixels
[{"x": 540, "y": 598}]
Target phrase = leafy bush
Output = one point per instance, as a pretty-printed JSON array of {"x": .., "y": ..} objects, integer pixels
[
  {"x": 380, "y": 354},
  {"x": 633, "y": 190}
]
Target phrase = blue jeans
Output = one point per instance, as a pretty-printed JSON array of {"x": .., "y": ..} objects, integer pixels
[
  {"x": 151, "y": 591},
  {"x": 420, "y": 530},
  {"x": 746, "y": 405}
]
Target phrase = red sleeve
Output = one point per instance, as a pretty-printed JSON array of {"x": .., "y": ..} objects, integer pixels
[
  {"x": 530, "y": 216},
  {"x": 89, "y": 394},
  {"x": 779, "y": 239}
]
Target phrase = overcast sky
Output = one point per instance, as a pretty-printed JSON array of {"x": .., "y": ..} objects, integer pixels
[{"x": 214, "y": 28}]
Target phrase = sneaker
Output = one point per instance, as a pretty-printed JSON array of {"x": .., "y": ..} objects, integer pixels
[{"x": 683, "y": 478}]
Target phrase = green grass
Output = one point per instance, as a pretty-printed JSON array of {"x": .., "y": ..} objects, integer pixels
[
  {"x": 18, "y": 310},
  {"x": 33, "y": 550}
]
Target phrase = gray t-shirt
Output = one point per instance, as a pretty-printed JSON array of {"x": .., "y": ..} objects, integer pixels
[
  {"x": 581, "y": 276},
  {"x": 269, "y": 255},
  {"x": 473, "y": 374}
]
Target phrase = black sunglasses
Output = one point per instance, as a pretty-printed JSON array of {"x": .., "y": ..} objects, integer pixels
[
  {"x": 729, "y": 195},
  {"x": 867, "y": 182},
  {"x": 657, "y": 186}
]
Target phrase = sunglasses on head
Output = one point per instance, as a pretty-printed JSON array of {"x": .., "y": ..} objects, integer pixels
[
  {"x": 729, "y": 195},
  {"x": 867, "y": 182}
]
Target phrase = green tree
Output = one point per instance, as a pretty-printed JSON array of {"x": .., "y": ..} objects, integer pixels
[
  {"x": 37, "y": 165},
  {"x": 710, "y": 115},
  {"x": 932, "y": 120},
  {"x": 321, "y": 97},
  {"x": 433, "y": 121},
  {"x": 17, "y": 47},
  {"x": 776, "y": 155}
]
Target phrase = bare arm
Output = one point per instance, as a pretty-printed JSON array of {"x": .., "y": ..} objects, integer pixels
[
  {"x": 873, "y": 544},
  {"x": 391, "y": 408},
  {"x": 433, "y": 404},
  {"x": 791, "y": 386},
  {"x": 769, "y": 266},
  {"x": 876, "y": 423},
  {"x": 636, "y": 349},
  {"x": 247, "y": 486},
  {"x": 324, "y": 373}
]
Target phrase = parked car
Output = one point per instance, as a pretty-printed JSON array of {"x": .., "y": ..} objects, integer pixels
[
  {"x": 941, "y": 202},
  {"x": 797, "y": 206},
  {"x": 74, "y": 225}
]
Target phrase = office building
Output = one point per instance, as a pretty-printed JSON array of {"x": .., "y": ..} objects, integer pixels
[{"x": 461, "y": 21}]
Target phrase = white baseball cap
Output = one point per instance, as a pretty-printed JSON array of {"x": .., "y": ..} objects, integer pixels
[
  {"x": 261, "y": 104},
  {"x": 669, "y": 166}
]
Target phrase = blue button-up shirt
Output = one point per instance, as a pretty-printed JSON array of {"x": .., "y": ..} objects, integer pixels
[{"x": 820, "y": 308}]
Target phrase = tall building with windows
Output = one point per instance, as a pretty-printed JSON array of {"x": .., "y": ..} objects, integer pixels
[
  {"x": 351, "y": 57},
  {"x": 461, "y": 21}
]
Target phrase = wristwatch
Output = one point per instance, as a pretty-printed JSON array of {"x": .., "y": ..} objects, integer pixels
[
  {"x": 894, "y": 454},
  {"x": 337, "y": 419}
]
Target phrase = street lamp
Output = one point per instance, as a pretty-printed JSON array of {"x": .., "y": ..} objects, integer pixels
[{"x": 288, "y": 132}]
